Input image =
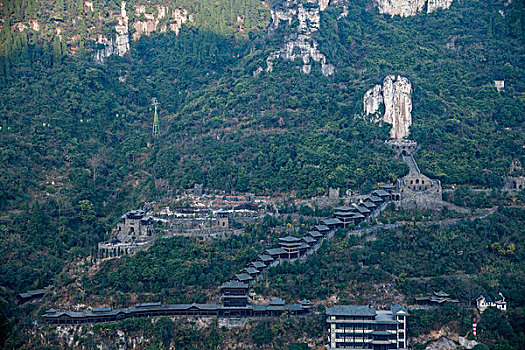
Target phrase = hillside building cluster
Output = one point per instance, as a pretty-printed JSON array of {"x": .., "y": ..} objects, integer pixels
[
  {"x": 299, "y": 248},
  {"x": 207, "y": 221},
  {"x": 204, "y": 215},
  {"x": 483, "y": 303},
  {"x": 137, "y": 225}
]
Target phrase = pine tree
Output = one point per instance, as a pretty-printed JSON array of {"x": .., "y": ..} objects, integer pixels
[{"x": 57, "y": 50}]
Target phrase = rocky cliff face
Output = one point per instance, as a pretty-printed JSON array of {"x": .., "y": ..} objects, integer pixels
[
  {"x": 146, "y": 24},
  {"x": 299, "y": 45},
  {"x": 396, "y": 95},
  {"x": 405, "y": 8},
  {"x": 106, "y": 29},
  {"x": 120, "y": 45},
  {"x": 151, "y": 22},
  {"x": 373, "y": 100}
]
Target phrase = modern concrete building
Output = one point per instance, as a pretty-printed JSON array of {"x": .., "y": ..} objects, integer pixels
[{"x": 363, "y": 327}]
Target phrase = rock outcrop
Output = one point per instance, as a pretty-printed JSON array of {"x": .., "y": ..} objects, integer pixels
[
  {"x": 445, "y": 343},
  {"x": 373, "y": 100},
  {"x": 405, "y": 8},
  {"x": 300, "y": 44},
  {"x": 467, "y": 344},
  {"x": 149, "y": 24},
  {"x": 120, "y": 45},
  {"x": 442, "y": 344},
  {"x": 122, "y": 29},
  {"x": 396, "y": 96},
  {"x": 444, "y": 338},
  {"x": 433, "y": 5}
]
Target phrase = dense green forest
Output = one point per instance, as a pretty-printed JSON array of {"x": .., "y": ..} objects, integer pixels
[
  {"x": 77, "y": 149},
  {"x": 179, "y": 269}
]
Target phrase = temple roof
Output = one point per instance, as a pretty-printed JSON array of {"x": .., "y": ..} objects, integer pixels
[
  {"x": 289, "y": 239},
  {"x": 243, "y": 277},
  {"x": 332, "y": 221},
  {"x": 343, "y": 208},
  {"x": 265, "y": 258},
  {"x": 234, "y": 284},
  {"x": 275, "y": 251}
]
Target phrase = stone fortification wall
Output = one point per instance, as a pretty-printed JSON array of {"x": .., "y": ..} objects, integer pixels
[
  {"x": 420, "y": 192},
  {"x": 514, "y": 183},
  {"x": 416, "y": 190}
]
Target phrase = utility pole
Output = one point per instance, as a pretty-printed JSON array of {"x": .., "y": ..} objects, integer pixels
[{"x": 156, "y": 130}]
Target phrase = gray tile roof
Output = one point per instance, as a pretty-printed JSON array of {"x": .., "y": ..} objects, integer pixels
[
  {"x": 343, "y": 214},
  {"x": 234, "y": 284},
  {"x": 243, "y": 277},
  {"x": 265, "y": 258},
  {"x": 381, "y": 193},
  {"x": 275, "y": 251},
  {"x": 289, "y": 239},
  {"x": 101, "y": 309},
  {"x": 32, "y": 293},
  {"x": 258, "y": 264},
  {"x": 332, "y": 221},
  {"x": 251, "y": 270},
  {"x": 148, "y": 304},
  {"x": 343, "y": 208},
  {"x": 376, "y": 199},
  {"x": 370, "y": 205},
  {"x": 399, "y": 309},
  {"x": 351, "y": 310},
  {"x": 290, "y": 245},
  {"x": 441, "y": 294},
  {"x": 315, "y": 234},
  {"x": 363, "y": 209},
  {"x": 308, "y": 239}
]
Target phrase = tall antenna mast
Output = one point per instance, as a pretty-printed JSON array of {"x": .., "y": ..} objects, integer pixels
[{"x": 156, "y": 130}]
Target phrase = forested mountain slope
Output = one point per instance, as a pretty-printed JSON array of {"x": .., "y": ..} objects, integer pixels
[{"x": 76, "y": 143}]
